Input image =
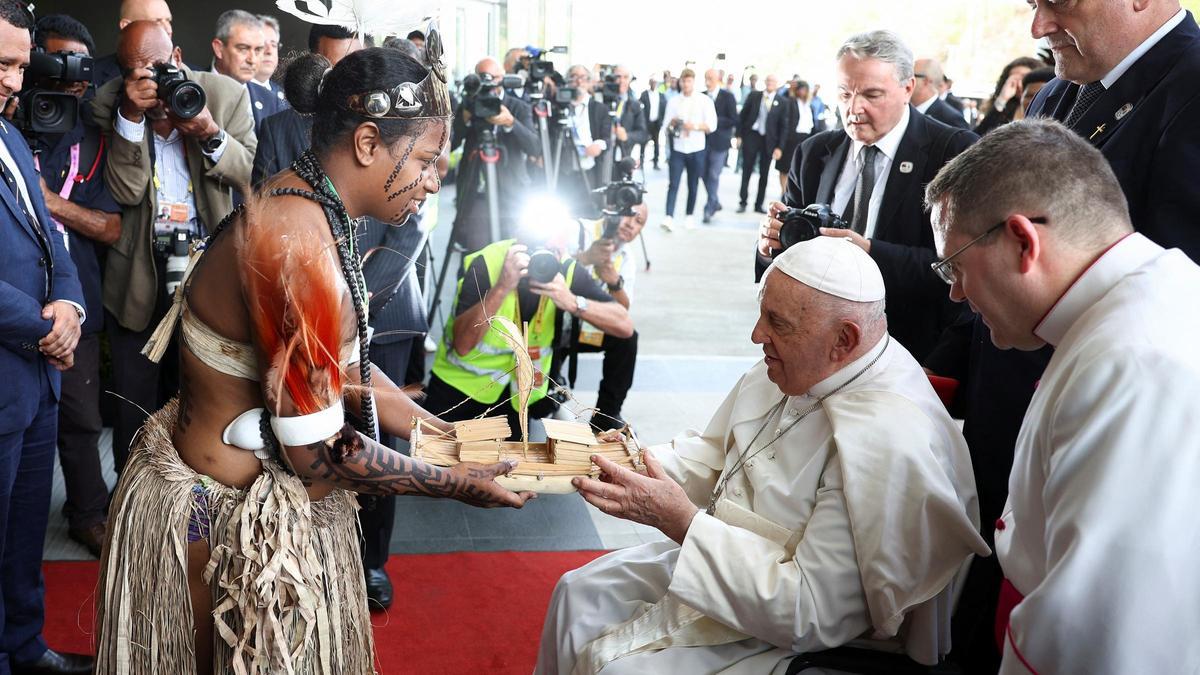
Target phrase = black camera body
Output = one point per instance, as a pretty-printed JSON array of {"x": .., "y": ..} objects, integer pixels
[
  {"x": 538, "y": 66},
  {"x": 483, "y": 95},
  {"x": 544, "y": 264},
  {"x": 183, "y": 97},
  {"x": 800, "y": 225},
  {"x": 175, "y": 247},
  {"x": 45, "y": 111},
  {"x": 610, "y": 89}
]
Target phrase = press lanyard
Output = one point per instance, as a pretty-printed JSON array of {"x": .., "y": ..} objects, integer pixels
[
  {"x": 154, "y": 171},
  {"x": 67, "y": 187}
]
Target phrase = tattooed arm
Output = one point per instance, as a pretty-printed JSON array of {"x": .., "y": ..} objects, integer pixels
[{"x": 371, "y": 468}]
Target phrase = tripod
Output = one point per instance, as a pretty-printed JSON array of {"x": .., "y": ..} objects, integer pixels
[{"x": 489, "y": 155}]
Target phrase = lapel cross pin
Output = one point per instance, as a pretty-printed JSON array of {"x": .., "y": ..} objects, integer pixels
[
  {"x": 906, "y": 167},
  {"x": 1099, "y": 130},
  {"x": 1124, "y": 111}
]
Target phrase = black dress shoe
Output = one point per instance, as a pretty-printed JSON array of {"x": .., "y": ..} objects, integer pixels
[
  {"x": 706, "y": 219},
  {"x": 759, "y": 209},
  {"x": 56, "y": 662},
  {"x": 379, "y": 589},
  {"x": 741, "y": 208},
  {"x": 92, "y": 537}
]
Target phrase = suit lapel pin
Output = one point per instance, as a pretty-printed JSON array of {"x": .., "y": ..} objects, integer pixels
[
  {"x": 1124, "y": 110},
  {"x": 258, "y": 104},
  {"x": 906, "y": 167},
  {"x": 1099, "y": 130}
]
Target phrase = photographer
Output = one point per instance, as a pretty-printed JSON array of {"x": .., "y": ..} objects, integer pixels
[
  {"x": 71, "y": 162},
  {"x": 474, "y": 364},
  {"x": 631, "y": 123},
  {"x": 612, "y": 260},
  {"x": 690, "y": 116},
  {"x": 512, "y": 131},
  {"x": 180, "y": 142},
  {"x": 589, "y": 132}
]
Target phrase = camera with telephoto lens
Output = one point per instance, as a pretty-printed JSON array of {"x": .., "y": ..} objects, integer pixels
[
  {"x": 42, "y": 110},
  {"x": 610, "y": 90},
  {"x": 183, "y": 97},
  {"x": 800, "y": 225},
  {"x": 619, "y": 197},
  {"x": 175, "y": 246}
]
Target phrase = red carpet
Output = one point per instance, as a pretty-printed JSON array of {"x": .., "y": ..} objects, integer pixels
[{"x": 453, "y": 613}]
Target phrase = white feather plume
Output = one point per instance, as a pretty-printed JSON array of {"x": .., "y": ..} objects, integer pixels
[{"x": 365, "y": 17}]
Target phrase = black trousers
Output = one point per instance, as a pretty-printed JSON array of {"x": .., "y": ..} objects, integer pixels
[
  {"x": 654, "y": 130},
  {"x": 79, "y": 428},
  {"x": 377, "y": 515},
  {"x": 616, "y": 374},
  {"x": 440, "y": 397},
  {"x": 141, "y": 386},
  {"x": 755, "y": 157}
]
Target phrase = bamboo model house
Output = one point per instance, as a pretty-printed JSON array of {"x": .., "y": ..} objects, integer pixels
[{"x": 542, "y": 467}]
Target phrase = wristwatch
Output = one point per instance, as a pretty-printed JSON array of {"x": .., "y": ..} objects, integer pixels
[
  {"x": 613, "y": 288},
  {"x": 581, "y": 304},
  {"x": 212, "y": 143}
]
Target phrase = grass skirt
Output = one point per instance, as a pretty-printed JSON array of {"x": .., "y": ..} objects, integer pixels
[{"x": 286, "y": 573}]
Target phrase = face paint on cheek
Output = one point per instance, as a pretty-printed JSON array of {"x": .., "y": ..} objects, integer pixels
[{"x": 387, "y": 187}]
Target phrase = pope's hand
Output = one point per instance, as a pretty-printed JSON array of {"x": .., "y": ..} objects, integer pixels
[{"x": 653, "y": 499}]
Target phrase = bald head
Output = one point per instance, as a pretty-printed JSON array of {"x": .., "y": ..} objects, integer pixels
[
  {"x": 929, "y": 76},
  {"x": 712, "y": 79},
  {"x": 772, "y": 83},
  {"x": 489, "y": 66},
  {"x": 142, "y": 44},
  {"x": 155, "y": 11}
]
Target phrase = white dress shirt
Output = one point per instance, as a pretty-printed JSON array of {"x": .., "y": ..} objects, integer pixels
[
  {"x": 888, "y": 145},
  {"x": 652, "y": 105},
  {"x": 804, "y": 121},
  {"x": 923, "y": 107},
  {"x": 581, "y": 121},
  {"x": 697, "y": 109}
]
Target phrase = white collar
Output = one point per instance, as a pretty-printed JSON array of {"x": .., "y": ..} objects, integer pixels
[
  {"x": 1115, "y": 74},
  {"x": 712, "y": 93},
  {"x": 890, "y": 143},
  {"x": 1094, "y": 283},
  {"x": 265, "y": 85},
  {"x": 843, "y": 375},
  {"x": 922, "y": 108}
]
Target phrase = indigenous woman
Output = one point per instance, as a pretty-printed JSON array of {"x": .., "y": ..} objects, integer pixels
[{"x": 234, "y": 542}]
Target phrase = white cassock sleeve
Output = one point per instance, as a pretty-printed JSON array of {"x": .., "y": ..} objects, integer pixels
[
  {"x": 745, "y": 581},
  {"x": 1121, "y": 585}
]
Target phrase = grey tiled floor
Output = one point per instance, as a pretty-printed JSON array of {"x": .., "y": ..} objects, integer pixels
[{"x": 694, "y": 312}]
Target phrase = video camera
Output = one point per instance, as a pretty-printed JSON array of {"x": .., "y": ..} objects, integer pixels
[
  {"x": 183, "y": 97},
  {"x": 42, "y": 110},
  {"x": 800, "y": 225},
  {"x": 538, "y": 67},
  {"x": 482, "y": 94}
]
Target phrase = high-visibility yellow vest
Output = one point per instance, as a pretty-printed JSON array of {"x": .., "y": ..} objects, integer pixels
[{"x": 486, "y": 371}]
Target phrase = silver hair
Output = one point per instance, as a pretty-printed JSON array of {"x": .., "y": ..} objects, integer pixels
[
  {"x": 235, "y": 17},
  {"x": 883, "y": 45},
  {"x": 271, "y": 22},
  {"x": 587, "y": 71}
]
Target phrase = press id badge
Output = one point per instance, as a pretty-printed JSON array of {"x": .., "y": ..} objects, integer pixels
[
  {"x": 590, "y": 335},
  {"x": 171, "y": 215}
]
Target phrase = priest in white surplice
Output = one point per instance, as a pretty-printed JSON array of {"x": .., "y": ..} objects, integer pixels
[
  {"x": 1100, "y": 539},
  {"x": 830, "y": 498}
]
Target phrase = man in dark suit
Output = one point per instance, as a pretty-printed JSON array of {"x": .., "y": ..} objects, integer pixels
[
  {"x": 41, "y": 308},
  {"x": 631, "y": 123},
  {"x": 654, "y": 105},
  {"x": 516, "y": 140},
  {"x": 237, "y": 50},
  {"x": 791, "y": 121},
  {"x": 717, "y": 142},
  {"x": 948, "y": 96},
  {"x": 752, "y": 136},
  {"x": 1144, "y": 120},
  {"x": 928, "y": 73},
  {"x": 589, "y": 135},
  {"x": 874, "y": 173}
]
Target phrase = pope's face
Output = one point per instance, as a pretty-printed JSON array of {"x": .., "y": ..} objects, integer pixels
[{"x": 796, "y": 335}]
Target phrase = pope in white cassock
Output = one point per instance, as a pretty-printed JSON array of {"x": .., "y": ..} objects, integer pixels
[
  {"x": 1100, "y": 540},
  {"x": 831, "y": 498}
]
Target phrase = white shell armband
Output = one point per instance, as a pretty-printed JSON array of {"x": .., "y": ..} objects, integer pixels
[
  {"x": 309, "y": 429},
  {"x": 243, "y": 431}
]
